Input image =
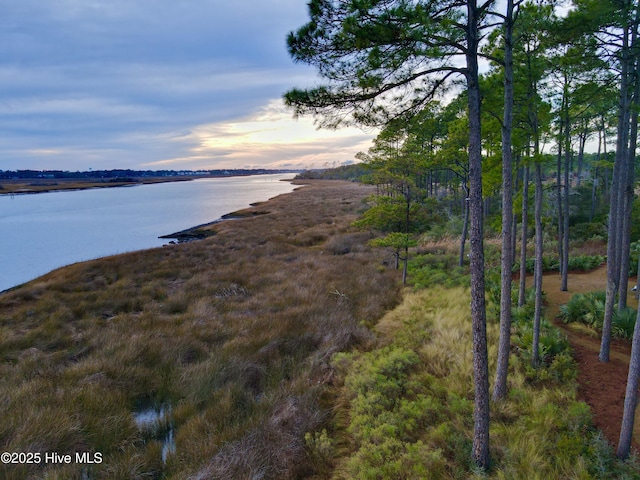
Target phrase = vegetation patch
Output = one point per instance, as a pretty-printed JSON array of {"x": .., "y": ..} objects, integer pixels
[
  {"x": 408, "y": 404},
  {"x": 588, "y": 309},
  {"x": 579, "y": 263},
  {"x": 224, "y": 343}
]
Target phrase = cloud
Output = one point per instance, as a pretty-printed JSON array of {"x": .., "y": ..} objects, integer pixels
[
  {"x": 121, "y": 84},
  {"x": 270, "y": 137}
]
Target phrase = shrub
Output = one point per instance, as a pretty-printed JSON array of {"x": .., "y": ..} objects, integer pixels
[
  {"x": 551, "y": 344},
  {"x": 587, "y": 308},
  {"x": 624, "y": 322},
  {"x": 588, "y": 230},
  {"x": 585, "y": 262},
  {"x": 551, "y": 263},
  {"x": 321, "y": 450},
  {"x": 442, "y": 270},
  {"x": 451, "y": 229},
  {"x": 389, "y": 410},
  {"x": 563, "y": 367},
  {"x": 414, "y": 419}
]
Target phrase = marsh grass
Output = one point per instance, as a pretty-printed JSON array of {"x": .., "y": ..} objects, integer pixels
[{"x": 235, "y": 332}]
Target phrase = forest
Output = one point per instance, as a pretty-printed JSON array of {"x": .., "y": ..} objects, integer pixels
[{"x": 518, "y": 118}]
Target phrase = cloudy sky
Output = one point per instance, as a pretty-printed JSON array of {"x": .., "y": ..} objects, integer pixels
[{"x": 156, "y": 84}]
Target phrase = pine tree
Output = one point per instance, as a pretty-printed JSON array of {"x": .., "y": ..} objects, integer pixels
[{"x": 383, "y": 58}]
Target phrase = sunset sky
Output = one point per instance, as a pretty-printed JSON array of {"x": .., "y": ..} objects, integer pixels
[{"x": 156, "y": 84}]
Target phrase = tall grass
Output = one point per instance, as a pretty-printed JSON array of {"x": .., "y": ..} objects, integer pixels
[
  {"x": 234, "y": 333},
  {"x": 408, "y": 405}
]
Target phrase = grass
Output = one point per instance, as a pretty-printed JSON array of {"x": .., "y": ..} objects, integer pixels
[
  {"x": 278, "y": 350},
  {"x": 407, "y": 405},
  {"x": 234, "y": 333}
]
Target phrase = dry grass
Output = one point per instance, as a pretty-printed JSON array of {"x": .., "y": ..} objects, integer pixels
[{"x": 234, "y": 332}]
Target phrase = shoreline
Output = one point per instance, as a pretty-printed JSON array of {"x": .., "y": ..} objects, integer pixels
[
  {"x": 238, "y": 326},
  {"x": 71, "y": 185},
  {"x": 32, "y": 186},
  {"x": 205, "y": 230},
  {"x": 158, "y": 239}
]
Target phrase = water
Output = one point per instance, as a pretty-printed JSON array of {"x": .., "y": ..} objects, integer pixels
[
  {"x": 157, "y": 423},
  {"x": 41, "y": 232}
]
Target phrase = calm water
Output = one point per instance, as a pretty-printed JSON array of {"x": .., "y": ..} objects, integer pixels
[{"x": 45, "y": 231}]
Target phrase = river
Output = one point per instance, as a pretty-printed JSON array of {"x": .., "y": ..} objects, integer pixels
[{"x": 41, "y": 232}]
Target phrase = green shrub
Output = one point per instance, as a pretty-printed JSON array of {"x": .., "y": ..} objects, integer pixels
[
  {"x": 452, "y": 228},
  {"x": 552, "y": 264},
  {"x": 552, "y": 343},
  {"x": 587, "y": 230},
  {"x": 391, "y": 459},
  {"x": 585, "y": 262},
  {"x": 430, "y": 270},
  {"x": 624, "y": 322},
  {"x": 389, "y": 410},
  {"x": 321, "y": 450},
  {"x": 587, "y": 308},
  {"x": 563, "y": 367}
]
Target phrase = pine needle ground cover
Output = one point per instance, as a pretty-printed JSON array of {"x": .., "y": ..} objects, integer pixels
[{"x": 223, "y": 343}]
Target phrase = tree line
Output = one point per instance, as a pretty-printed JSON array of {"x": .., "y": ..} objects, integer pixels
[
  {"x": 129, "y": 173},
  {"x": 489, "y": 106}
]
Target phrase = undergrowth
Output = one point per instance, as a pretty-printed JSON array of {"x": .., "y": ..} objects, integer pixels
[
  {"x": 588, "y": 309},
  {"x": 551, "y": 263},
  {"x": 406, "y": 407}
]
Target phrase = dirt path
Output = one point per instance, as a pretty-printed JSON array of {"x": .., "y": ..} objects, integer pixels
[{"x": 601, "y": 385}]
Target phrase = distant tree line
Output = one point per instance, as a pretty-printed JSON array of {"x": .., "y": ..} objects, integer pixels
[
  {"x": 354, "y": 173},
  {"x": 129, "y": 174}
]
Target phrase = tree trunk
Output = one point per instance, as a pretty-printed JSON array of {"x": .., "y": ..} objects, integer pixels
[
  {"x": 594, "y": 180},
  {"x": 523, "y": 242},
  {"x": 535, "y": 348},
  {"x": 581, "y": 144},
  {"x": 405, "y": 265},
  {"x": 565, "y": 230},
  {"x": 480, "y": 447},
  {"x": 625, "y": 231},
  {"x": 631, "y": 395},
  {"x": 517, "y": 159},
  {"x": 559, "y": 198},
  {"x": 506, "y": 262},
  {"x": 465, "y": 228},
  {"x": 618, "y": 184}
]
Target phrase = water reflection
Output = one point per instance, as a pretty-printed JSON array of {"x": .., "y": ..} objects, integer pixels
[{"x": 45, "y": 231}]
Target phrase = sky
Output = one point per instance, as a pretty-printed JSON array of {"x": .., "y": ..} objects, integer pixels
[{"x": 157, "y": 84}]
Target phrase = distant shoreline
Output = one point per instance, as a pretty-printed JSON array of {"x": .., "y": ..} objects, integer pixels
[
  {"x": 167, "y": 215},
  {"x": 204, "y": 230},
  {"x": 21, "y": 187},
  {"x": 30, "y": 186}
]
